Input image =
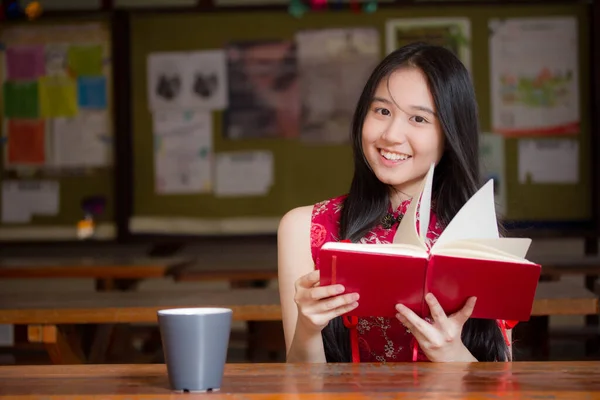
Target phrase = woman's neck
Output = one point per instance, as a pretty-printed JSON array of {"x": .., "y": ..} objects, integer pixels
[
  {"x": 397, "y": 197},
  {"x": 404, "y": 192}
]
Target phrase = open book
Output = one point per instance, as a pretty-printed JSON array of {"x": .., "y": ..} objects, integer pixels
[{"x": 468, "y": 259}]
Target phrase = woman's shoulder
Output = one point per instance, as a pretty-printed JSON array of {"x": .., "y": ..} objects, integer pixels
[
  {"x": 332, "y": 205},
  {"x": 304, "y": 223},
  {"x": 329, "y": 207}
]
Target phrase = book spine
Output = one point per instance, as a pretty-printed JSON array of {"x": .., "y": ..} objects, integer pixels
[{"x": 424, "y": 307}]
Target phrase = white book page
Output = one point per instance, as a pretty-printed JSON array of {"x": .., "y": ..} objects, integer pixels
[
  {"x": 518, "y": 247},
  {"x": 425, "y": 206},
  {"x": 475, "y": 220},
  {"x": 406, "y": 250},
  {"x": 482, "y": 255},
  {"x": 407, "y": 229}
]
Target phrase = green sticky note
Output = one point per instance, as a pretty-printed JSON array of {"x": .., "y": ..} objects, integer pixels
[
  {"x": 21, "y": 99},
  {"x": 85, "y": 60},
  {"x": 58, "y": 97}
]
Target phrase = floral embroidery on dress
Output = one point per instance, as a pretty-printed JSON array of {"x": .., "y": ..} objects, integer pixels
[
  {"x": 318, "y": 235},
  {"x": 320, "y": 208},
  {"x": 380, "y": 339}
]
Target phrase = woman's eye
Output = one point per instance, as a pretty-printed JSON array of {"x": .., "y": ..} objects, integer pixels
[
  {"x": 383, "y": 111},
  {"x": 419, "y": 119}
]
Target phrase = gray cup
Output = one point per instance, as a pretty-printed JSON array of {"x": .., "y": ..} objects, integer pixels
[{"x": 195, "y": 342}]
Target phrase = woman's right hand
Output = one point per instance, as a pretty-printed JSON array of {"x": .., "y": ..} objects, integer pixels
[{"x": 317, "y": 305}]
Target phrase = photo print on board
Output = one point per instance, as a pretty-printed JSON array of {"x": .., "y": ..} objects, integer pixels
[
  {"x": 165, "y": 80},
  {"x": 263, "y": 90},
  {"x": 205, "y": 79},
  {"x": 333, "y": 65}
]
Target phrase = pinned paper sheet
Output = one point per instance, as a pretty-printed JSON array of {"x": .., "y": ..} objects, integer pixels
[
  {"x": 26, "y": 142},
  {"x": 25, "y": 63},
  {"x": 85, "y": 60},
  {"x": 183, "y": 152},
  {"x": 56, "y": 59},
  {"x": 184, "y": 81},
  {"x": 80, "y": 141},
  {"x": 21, "y": 100},
  {"x": 58, "y": 97},
  {"x": 333, "y": 66},
  {"x": 206, "y": 79},
  {"x": 165, "y": 81},
  {"x": 534, "y": 75},
  {"x": 248, "y": 173},
  {"x": 21, "y": 200},
  {"x": 548, "y": 161}
]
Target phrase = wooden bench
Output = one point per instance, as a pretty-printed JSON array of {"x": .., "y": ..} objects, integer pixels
[{"x": 48, "y": 314}]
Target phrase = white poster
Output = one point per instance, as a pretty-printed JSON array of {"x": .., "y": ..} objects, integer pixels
[
  {"x": 548, "y": 161},
  {"x": 187, "y": 80},
  {"x": 82, "y": 141},
  {"x": 452, "y": 33},
  {"x": 334, "y": 65},
  {"x": 165, "y": 81},
  {"x": 534, "y": 76},
  {"x": 21, "y": 200},
  {"x": 244, "y": 173},
  {"x": 183, "y": 152},
  {"x": 205, "y": 80}
]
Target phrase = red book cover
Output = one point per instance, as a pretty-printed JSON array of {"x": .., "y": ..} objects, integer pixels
[{"x": 468, "y": 259}]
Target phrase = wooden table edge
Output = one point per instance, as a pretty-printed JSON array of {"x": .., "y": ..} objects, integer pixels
[
  {"x": 252, "y": 312},
  {"x": 117, "y": 315}
]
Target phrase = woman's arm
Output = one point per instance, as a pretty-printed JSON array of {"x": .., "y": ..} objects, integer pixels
[{"x": 294, "y": 261}]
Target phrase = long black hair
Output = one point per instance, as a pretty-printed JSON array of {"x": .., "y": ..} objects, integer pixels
[{"x": 455, "y": 180}]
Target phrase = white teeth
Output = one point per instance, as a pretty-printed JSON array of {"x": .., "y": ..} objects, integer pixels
[{"x": 394, "y": 156}]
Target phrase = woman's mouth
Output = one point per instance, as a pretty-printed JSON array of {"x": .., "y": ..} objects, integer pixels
[{"x": 393, "y": 158}]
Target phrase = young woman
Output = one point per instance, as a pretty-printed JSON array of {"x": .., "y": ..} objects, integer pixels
[{"x": 418, "y": 107}]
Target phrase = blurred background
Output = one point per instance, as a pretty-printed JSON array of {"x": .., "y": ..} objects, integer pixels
[{"x": 150, "y": 148}]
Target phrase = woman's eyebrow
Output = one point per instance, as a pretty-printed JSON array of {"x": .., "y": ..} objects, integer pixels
[
  {"x": 424, "y": 109},
  {"x": 382, "y": 100}
]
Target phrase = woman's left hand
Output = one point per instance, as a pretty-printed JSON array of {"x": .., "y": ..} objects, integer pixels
[{"x": 440, "y": 341}]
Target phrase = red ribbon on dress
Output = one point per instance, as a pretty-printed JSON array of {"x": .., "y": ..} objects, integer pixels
[
  {"x": 351, "y": 323},
  {"x": 504, "y": 325},
  {"x": 415, "y": 349}
]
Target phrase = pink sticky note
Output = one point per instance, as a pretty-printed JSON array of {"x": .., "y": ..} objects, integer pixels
[{"x": 25, "y": 62}]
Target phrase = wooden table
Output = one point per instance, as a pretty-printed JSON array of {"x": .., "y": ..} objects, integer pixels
[
  {"x": 250, "y": 259},
  {"x": 549, "y": 380},
  {"x": 105, "y": 270},
  {"x": 51, "y": 318},
  {"x": 229, "y": 268},
  {"x": 131, "y": 307},
  {"x": 569, "y": 265}
]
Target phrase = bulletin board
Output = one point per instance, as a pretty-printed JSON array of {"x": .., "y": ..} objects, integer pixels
[
  {"x": 306, "y": 173},
  {"x": 56, "y": 128}
]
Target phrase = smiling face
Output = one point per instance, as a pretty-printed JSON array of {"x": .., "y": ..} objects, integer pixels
[{"x": 401, "y": 134}]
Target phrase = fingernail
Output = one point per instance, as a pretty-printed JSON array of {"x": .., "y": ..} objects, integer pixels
[
  {"x": 355, "y": 296},
  {"x": 355, "y": 304},
  {"x": 399, "y": 307},
  {"x": 339, "y": 289}
]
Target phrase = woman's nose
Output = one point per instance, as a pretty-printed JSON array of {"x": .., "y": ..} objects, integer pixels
[{"x": 396, "y": 131}]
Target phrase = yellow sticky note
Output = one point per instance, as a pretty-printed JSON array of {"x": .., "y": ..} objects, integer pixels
[
  {"x": 85, "y": 60},
  {"x": 58, "y": 96}
]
